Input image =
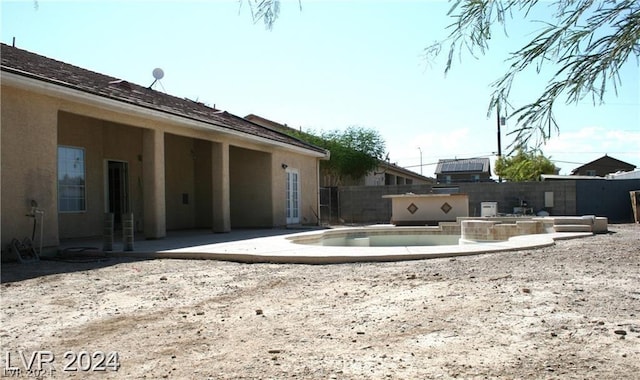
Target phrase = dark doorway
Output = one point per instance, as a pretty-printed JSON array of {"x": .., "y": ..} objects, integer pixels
[{"x": 117, "y": 191}]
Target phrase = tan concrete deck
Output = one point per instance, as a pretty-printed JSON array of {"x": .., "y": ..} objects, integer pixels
[{"x": 275, "y": 246}]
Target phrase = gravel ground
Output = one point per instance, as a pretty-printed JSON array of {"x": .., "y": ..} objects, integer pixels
[{"x": 567, "y": 311}]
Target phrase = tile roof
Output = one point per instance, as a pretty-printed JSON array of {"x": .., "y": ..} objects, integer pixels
[{"x": 34, "y": 66}]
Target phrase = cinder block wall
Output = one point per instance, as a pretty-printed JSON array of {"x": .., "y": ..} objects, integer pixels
[
  {"x": 510, "y": 194},
  {"x": 364, "y": 204}
]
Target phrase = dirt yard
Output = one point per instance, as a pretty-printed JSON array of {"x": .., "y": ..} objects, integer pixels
[{"x": 567, "y": 311}]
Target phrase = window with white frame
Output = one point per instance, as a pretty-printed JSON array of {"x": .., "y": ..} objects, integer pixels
[{"x": 71, "y": 179}]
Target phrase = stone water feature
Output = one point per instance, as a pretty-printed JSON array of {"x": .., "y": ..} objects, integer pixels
[{"x": 427, "y": 209}]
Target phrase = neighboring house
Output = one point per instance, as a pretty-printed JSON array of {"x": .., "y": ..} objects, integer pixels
[
  {"x": 463, "y": 170},
  {"x": 385, "y": 174},
  {"x": 82, "y": 144},
  {"x": 284, "y": 128},
  {"x": 603, "y": 166},
  {"x": 391, "y": 174}
]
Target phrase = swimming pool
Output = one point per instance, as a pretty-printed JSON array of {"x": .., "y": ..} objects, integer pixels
[
  {"x": 470, "y": 237},
  {"x": 384, "y": 240},
  {"x": 381, "y": 237}
]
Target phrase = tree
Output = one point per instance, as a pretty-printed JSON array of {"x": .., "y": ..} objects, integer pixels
[
  {"x": 588, "y": 40},
  {"x": 524, "y": 166},
  {"x": 265, "y": 10},
  {"x": 354, "y": 152}
]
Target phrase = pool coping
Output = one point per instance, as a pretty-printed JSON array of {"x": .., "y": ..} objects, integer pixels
[{"x": 282, "y": 249}]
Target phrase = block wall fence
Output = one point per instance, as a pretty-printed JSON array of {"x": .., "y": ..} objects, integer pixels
[{"x": 608, "y": 198}]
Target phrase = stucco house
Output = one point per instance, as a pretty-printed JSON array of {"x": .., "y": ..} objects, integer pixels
[
  {"x": 81, "y": 144},
  {"x": 463, "y": 170},
  {"x": 385, "y": 174},
  {"x": 388, "y": 173}
]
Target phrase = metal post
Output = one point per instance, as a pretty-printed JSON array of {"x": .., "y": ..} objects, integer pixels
[
  {"x": 41, "y": 212},
  {"x": 107, "y": 232},
  {"x": 127, "y": 231}
]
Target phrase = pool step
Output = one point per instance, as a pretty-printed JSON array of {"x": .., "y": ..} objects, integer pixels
[
  {"x": 588, "y": 223},
  {"x": 572, "y": 228}
]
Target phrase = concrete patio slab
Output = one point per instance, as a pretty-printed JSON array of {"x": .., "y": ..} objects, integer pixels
[{"x": 277, "y": 246}]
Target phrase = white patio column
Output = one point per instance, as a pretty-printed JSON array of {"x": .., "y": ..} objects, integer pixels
[
  {"x": 220, "y": 187},
  {"x": 155, "y": 226}
]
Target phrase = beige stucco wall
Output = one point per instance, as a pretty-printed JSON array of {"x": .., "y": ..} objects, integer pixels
[
  {"x": 250, "y": 188},
  {"x": 203, "y": 188},
  {"x": 28, "y": 165},
  {"x": 33, "y": 125},
  {"x": 102, "y": 141},
  {"x": 309, "y": 187},
  {"x": 188, "y": 176},
  {"x": 179, "y": 159},
  {"x": 427, "y": 208}
]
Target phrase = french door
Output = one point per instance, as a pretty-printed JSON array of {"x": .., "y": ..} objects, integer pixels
[{"x": 293, "y": 196}]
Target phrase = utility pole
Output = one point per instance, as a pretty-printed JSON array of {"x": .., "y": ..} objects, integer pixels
[
  {"x": 499, "y": 143},
  {"x": 420, "y": 160}
]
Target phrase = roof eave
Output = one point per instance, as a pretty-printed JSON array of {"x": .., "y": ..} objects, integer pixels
[{"x": 51, "y": 88}]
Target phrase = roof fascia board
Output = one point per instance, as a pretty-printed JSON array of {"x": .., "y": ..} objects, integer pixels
[
  {"x": 398, "y": 169},
  {"x": 87, "y": 98}
]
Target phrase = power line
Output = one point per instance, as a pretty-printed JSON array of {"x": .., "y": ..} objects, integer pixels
[
  {"x": 456, "y": 156},
  {"x": 568, "y": 162},
  {"x": 417, "y": 166},
  {"x": 596, "y": 152},
  {"x": 436, "y": 163}
]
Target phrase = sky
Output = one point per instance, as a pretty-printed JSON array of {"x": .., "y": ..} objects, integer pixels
[{"x": 328, "y": 65}]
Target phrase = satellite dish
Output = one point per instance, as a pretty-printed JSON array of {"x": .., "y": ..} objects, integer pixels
[{"x": 158, "y": 73}]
